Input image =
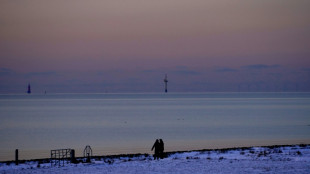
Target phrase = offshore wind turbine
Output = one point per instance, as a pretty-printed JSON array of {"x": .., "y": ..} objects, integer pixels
[
  {"x": 166, "y": 83},
  {"x": 29, "y": 89}
]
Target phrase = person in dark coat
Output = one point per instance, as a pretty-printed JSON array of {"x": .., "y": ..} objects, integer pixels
[
  {"x": 156, "y": 146},
  {"x": 161, "y": 149}
]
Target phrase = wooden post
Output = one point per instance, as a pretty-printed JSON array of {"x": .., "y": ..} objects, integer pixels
[
  {"x": 72, "y": 156},
  {"x": 16, "y": 156}
]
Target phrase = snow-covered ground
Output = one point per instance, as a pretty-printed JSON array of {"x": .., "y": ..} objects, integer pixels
[{"x": 277, "y": 159}]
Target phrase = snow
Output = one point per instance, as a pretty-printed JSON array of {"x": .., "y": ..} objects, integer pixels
[{"x": 273, "y": 159}]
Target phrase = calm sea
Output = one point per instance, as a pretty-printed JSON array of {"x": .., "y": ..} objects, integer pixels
[{"x": 130, "y": 123}]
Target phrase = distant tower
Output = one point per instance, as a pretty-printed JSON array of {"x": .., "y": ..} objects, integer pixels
[
  {"x": 166, "y": 83},
  {"x": 29, "y": 89}
]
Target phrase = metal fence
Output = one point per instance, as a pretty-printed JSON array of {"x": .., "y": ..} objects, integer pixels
[{"x": 60, "y": 156}]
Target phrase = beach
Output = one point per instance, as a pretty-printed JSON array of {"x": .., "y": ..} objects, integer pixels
[
  {"x": 213, "y": 86},
  {"x": 267, "y": 159}
]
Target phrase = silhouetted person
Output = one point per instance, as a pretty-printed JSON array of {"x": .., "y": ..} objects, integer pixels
[
  {"x": 156, "y": 146},
  {"x": 161, "y": 149}
]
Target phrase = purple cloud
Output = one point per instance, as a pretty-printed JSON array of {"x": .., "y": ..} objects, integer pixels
[
  {"x": 261, "y": 66},
  {"x": 225, "y": 69}
]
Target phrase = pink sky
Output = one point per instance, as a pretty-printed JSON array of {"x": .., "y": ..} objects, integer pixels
[{"x": 98, "y": 46}]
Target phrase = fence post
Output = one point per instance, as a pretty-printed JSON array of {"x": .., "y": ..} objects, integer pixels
[
  {"x": 72, "y": 156},
  {"x": 16, "y": 156}
]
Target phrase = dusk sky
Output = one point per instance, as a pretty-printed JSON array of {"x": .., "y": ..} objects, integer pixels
[{"x": 128, "y": 46}]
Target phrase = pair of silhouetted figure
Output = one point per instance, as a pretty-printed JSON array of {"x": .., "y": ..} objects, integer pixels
[{"x": 159, "y": 149}]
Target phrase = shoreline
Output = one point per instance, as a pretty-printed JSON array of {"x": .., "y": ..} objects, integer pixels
[
  {"x": 255, "y": 159},
  {"x": 169, "y": 153}
]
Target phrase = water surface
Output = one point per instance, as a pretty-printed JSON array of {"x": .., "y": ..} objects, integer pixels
[{"x": 130, "y": 123}]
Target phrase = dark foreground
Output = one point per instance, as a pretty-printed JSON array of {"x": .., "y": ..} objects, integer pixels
[{"x": 269, "y": 159}]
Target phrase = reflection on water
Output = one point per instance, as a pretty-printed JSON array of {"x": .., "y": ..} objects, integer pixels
[{"x": 129, "y": 123}]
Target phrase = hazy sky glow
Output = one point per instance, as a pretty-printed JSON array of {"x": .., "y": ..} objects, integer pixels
[{"x": 128, "y": 46}]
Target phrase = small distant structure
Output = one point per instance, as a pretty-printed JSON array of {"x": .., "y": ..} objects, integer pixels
[
  {"x": 166, "y": 83},
  {"x": 60, "y": 156},
  {"x": 88, "y": 153},
  {"x": 29, "y": 89}
]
